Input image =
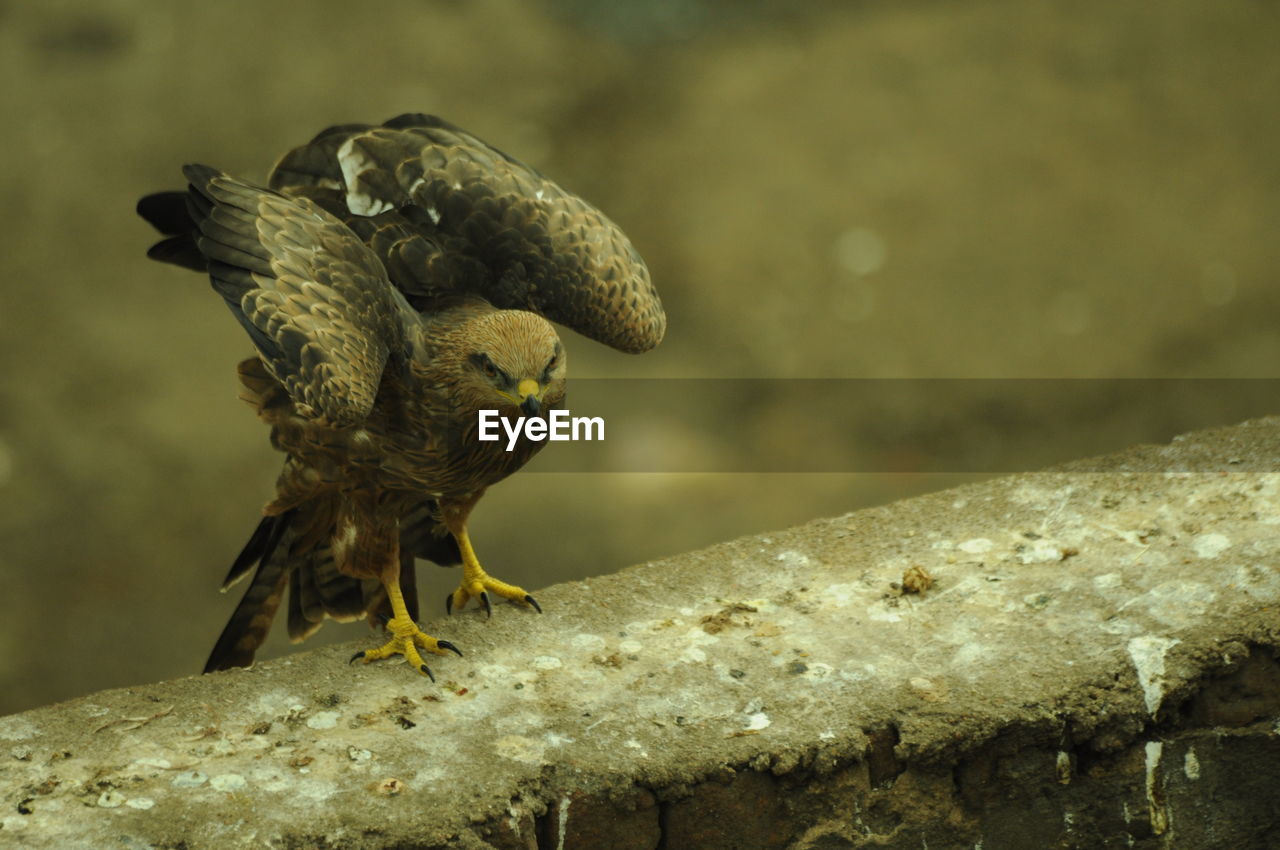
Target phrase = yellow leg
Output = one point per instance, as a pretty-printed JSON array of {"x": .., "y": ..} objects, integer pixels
[
  {"x": 479, "y": 584},
  {"x": 406, "y": 637}
]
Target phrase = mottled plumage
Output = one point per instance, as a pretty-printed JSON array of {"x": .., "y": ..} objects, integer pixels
[{"x": 394, "y": 281}]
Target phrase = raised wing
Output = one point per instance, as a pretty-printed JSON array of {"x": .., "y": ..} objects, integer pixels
[
  {"x": 449, "y": 215},
  {"x": 314, "y": 298}
]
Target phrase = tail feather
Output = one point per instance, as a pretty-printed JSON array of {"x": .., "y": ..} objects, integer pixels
[
  {"x": 262, "y": 543},
  {"x": 250, "y": 622},
  {"x": 317, "y": 590},
  {"x": 287, "y": 551},
  {"x": 306, "y": 612}
]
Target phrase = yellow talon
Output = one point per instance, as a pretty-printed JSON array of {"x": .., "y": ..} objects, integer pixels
[
  {"x": 406, "y": 637},
  {"x": 476, "y": 583}
]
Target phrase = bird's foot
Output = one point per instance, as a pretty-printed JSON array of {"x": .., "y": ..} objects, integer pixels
[
  {"x": 406, "y": 638},
  {"x": 479, "y": 584}
]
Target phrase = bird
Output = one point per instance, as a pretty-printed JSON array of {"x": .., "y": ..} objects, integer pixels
[{"x": 394, "y": 280}]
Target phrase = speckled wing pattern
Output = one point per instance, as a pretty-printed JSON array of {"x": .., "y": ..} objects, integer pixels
[
  {"x": 449, "y": 215},
  {"x": 315, "y": 299}
]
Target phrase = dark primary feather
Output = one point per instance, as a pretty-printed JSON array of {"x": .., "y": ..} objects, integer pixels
[
  {"x": 167, "y": 212},
  {"x": 261, "y": 545}
]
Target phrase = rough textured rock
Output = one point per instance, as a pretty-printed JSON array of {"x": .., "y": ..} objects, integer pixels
[{"x": 1093, "y": 665}]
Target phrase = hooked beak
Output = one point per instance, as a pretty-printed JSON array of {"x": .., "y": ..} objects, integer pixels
[{"x": 530, "y": 395}]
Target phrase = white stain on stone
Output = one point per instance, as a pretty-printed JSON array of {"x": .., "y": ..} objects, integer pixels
[
  {"x": 881, "y": 613},
  {"x": 976, "y": 546},
  {"x": 631, "y": 647},
  {"x": 513, "y": 819},
  {"x": 1107, "y": 581},
  {"x": 1210, "y": 545},
  {"x": 140, "y": 803},
  {"x": 190, "y": 779},
  {"x": 1063, "y": 767},
  {"x": 1177, "y": 603},
  {"x": 818, "y": 670},
  {"x": 1191, "y": 764},
  {"x": 110, "y": 799},
  {"x": 431, "y": 775},
  {"x": 1155, "y": 806},
  {"x": 841, "y": 594},
  {"x": 323, "y": 720},
  {"x": 547, "y": 662},
  {"x": 274, "y": 703},
  {"x": 16, "y": 729},
  {"x": 562, "y": 821},
  {"x": 228, "y": 782},
  {"x": 315, "y": 789},
  {"x": 791, "y": 559},
  {"x": 519, "y": 748},
  {"x": 497, "y": 672},
  {"x": 13, "y": 824},
  {"x": 588, "y": 642},
  {"x": 270, "y": 779},
  {"x": 1041, "y": 552},
  {"x": 757, "y": 721},
  {"x": 153, "y": 763},
  {"x": 693, "y": 655},
  {"x": 970, "y": 653},
  {"x": 1147, "y": 653}
]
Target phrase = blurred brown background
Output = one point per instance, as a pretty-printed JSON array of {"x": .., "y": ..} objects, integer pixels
[{"x": 982, "y": 189}]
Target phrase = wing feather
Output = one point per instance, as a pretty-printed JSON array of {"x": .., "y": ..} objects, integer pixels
[
  {"x": 450, "y": 215},
  {"x": 314, "y": 298}
]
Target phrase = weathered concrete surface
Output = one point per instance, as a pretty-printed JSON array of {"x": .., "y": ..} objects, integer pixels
[{"x": 1093, "y": 666}]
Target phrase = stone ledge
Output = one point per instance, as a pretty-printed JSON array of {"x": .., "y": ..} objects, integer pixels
[{"x": 1094, "y": 665}]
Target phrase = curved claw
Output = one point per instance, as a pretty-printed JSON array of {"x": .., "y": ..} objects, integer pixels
[
  {"x": 444, "y": 644},
  {"x": 427, "y": 672},
  {"x": 356, "y": 657},
  {"x": 448, "y": 604},
  {"x": 488, "y": 606},
  {"x": 529, "y": 599}
]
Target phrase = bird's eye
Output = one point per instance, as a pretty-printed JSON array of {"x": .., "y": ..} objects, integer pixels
[
  {"x": 485, "y": 365},
  {"x": 551, "y": 364}
]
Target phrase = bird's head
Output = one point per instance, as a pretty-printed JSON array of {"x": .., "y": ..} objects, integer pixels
[{"x": 512, "y": 360}]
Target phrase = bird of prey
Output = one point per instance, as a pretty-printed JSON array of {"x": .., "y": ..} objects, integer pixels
[{"x": 395, "y": 280}]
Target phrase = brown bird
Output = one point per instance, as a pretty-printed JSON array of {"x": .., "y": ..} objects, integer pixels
[{"x": 395, "y": 280}]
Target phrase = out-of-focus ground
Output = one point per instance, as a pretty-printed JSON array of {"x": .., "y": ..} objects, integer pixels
[{"x": 903, "y": 190}]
